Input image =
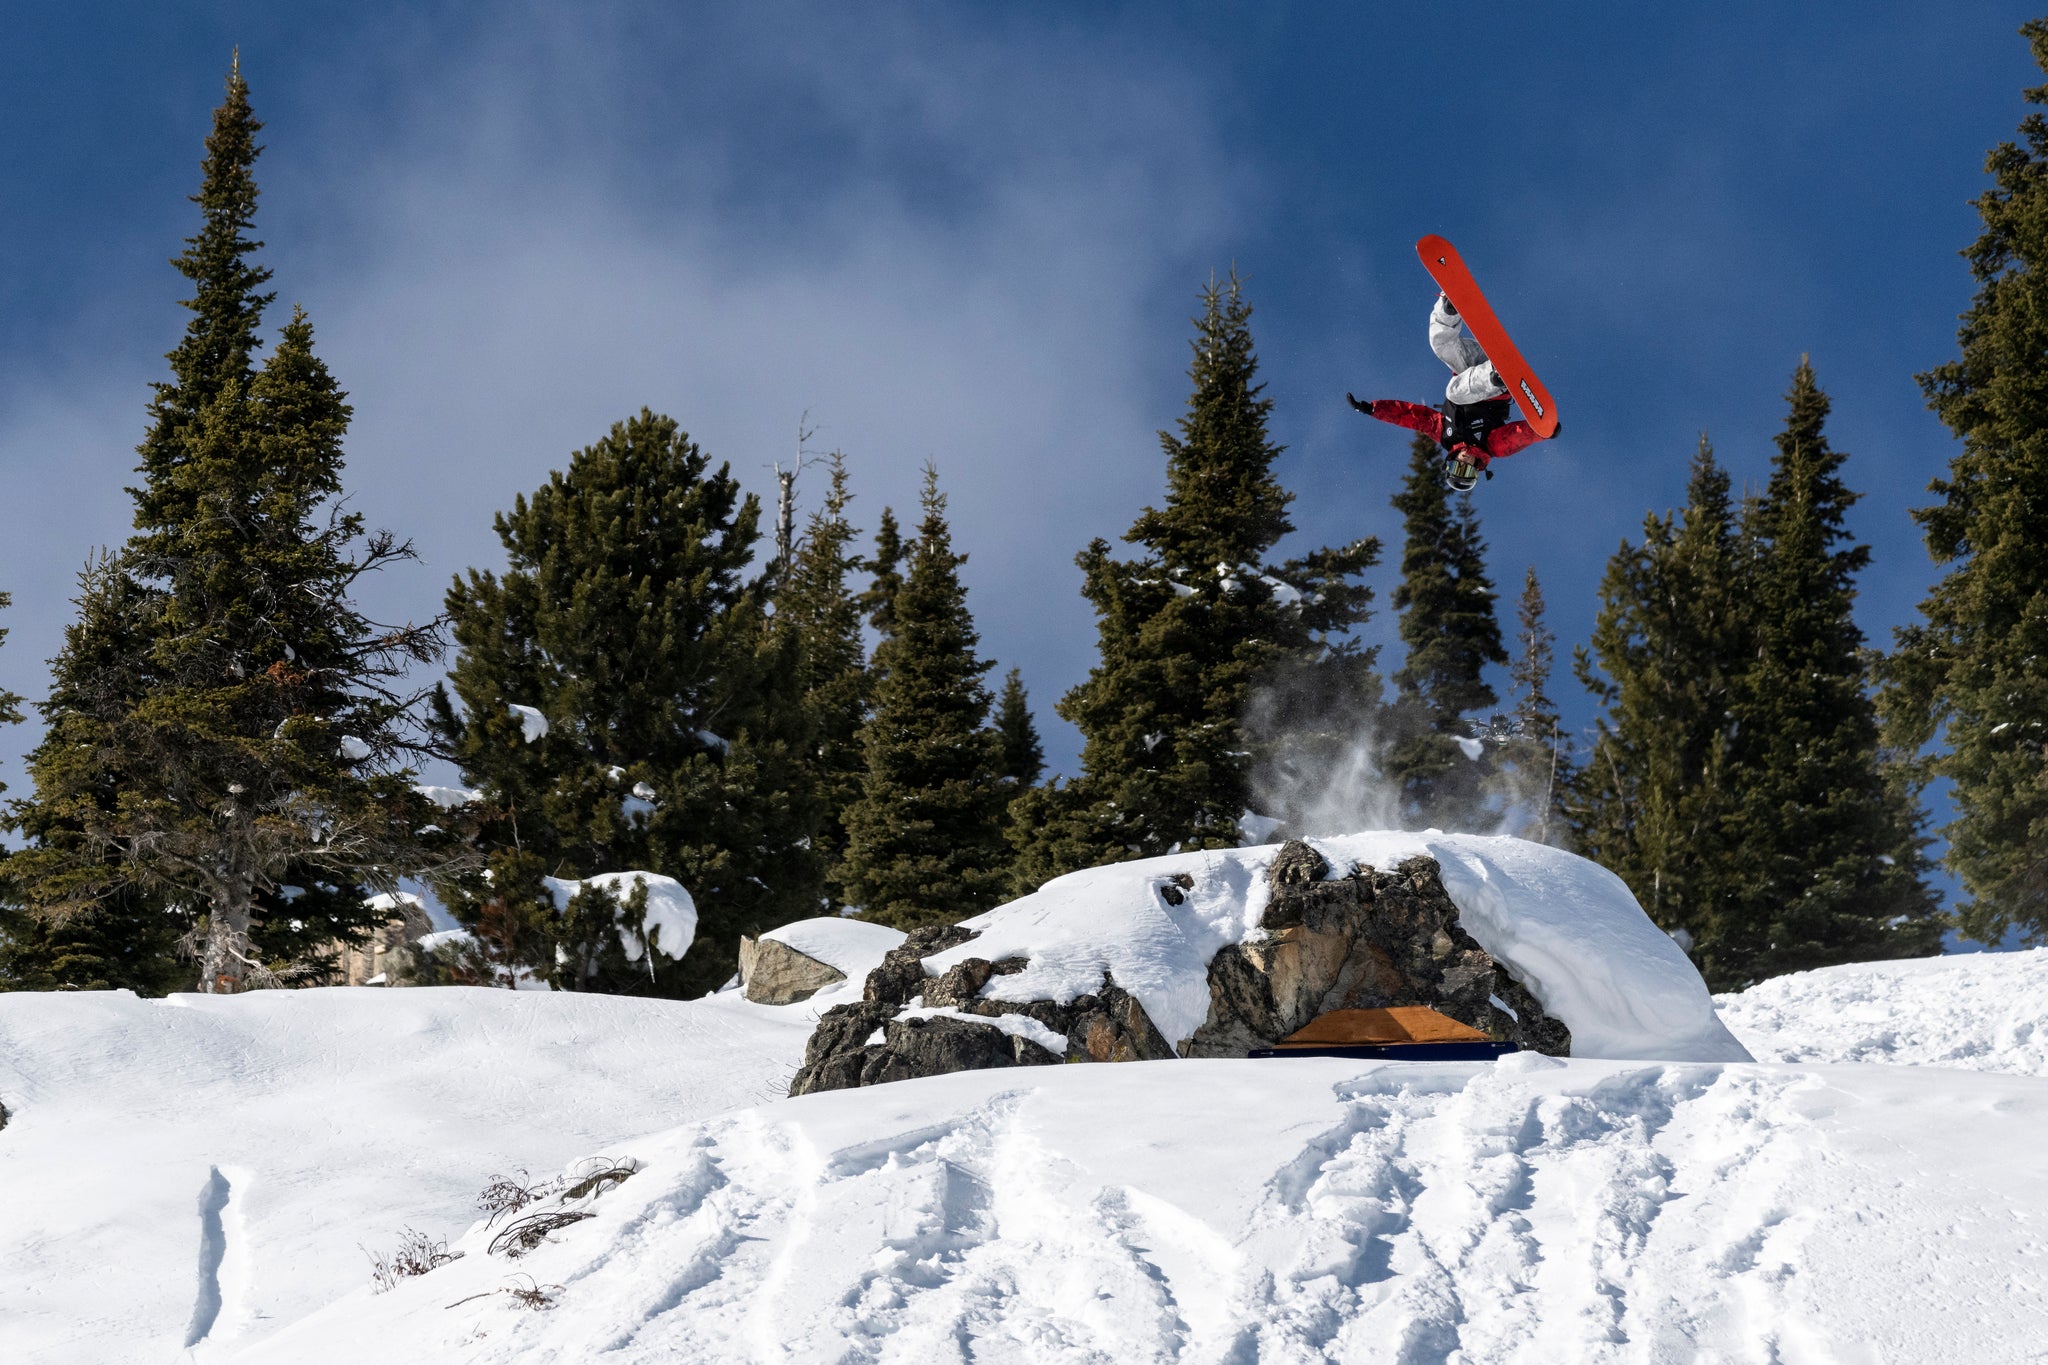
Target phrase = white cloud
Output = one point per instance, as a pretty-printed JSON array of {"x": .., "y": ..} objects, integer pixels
[{"x": 944, "y": 245}]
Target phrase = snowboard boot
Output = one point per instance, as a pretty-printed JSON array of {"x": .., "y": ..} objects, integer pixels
[{"x": 1359, "y": 404}]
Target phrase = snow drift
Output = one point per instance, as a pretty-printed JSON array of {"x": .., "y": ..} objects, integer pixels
[{"x": 1980, "y": 1012}]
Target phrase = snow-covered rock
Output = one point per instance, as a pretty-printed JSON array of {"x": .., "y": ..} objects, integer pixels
[
  {"x": 1567, "y": 929},
  {"x": 791, "y": 964},
  {"x": 855, "y": 947}
]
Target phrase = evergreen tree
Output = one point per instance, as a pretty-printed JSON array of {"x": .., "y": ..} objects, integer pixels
[
  {"x": 105, "y": 940},
  {"x": 625, "y": 705},
  {"x": 1448, "y": 625},
  {"x": 1829, "y": 841},
  {"x": 1022, "y": 757},
  {"x": 878, "y": 602},
  {"x": 1539, "y": 768},
  {"x": 924, "y": 841},
  {"x": 816, "y": 606},
  {"x": 225, "y": 730},
  {"x": 10, "y": 704},
  {"x": 1673, "y": 637},
  {"x": 1192, "y": 630},
  {"x": 1968, "y": 673}
]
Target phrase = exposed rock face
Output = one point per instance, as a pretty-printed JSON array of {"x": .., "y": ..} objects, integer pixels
[
  {"x": 1106, "y": 1026},
  {"x": 774, "y": 973},
  {"x": 1366, "y": 940},
  {"x": 390, "y": 955}
]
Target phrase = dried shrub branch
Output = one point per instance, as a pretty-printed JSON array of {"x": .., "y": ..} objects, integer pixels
[{"x": 417, "y": 1253}]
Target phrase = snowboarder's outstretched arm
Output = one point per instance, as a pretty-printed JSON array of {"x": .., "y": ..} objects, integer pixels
[
  {"x": 1509, "y": 438},
  {"x": 1413, "y": 416}
]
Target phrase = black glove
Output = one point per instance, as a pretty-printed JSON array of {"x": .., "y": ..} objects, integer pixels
[{"x": 1363, "y": 407}]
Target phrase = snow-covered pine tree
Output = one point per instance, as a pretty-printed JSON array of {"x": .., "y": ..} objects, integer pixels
[
  {"x": 1830, "y": 864},
  {"x": 1538, "y": 764},
  {"x": 621, "y": 701},
  {"x": 1193, "y": 629},
  {"x": 816, "y": 606},
  {"x": 924, "y": 842},
  {"x": 1448, "y": 624},
  {"x": 1672, "y": 639},
  {"x": 226, "y": 729},
  {"x": 1969, "y": 674}
]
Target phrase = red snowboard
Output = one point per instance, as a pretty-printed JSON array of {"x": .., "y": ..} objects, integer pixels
[{"x": 1447, "y": 268}]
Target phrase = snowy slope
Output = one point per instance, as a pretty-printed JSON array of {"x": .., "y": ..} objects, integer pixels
[
  {"x": 1223, "y": 1211},
  {"x": 1982, "y": 1011},
  {"x": 295, "y": 1128},
  {"x": 213, "y": 1170}
]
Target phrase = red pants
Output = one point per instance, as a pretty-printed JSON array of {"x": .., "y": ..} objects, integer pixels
[{"x": 1501, "y": 442}]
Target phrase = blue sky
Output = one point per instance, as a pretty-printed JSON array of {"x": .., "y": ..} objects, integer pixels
[{"x": 975, "y": 233}]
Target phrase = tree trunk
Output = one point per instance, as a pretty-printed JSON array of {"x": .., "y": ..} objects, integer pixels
[{"x": 225, "y": 959}]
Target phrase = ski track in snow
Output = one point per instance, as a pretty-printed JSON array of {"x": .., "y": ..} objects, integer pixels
[{"x": 1530, "y": 1212}]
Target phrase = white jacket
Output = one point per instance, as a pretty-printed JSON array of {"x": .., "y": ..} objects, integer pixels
[{"x": 1474, "y": 380}]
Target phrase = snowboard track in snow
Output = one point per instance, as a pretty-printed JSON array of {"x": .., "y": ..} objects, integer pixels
[{"x": 1534, "y": 1212}]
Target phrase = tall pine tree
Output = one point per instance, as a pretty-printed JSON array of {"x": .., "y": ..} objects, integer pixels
[
  {"x": 816, "y": 607},
  {"x": 1191, "y": 630},
  {"x": 122, "y": 939},
  {"x": 886, "y": 570},
  {"x": 226, "y": 730},
  {"x": 1538, "y": 768},
  {"x": 1828, "y": 838},
  {"x": 924, "y": 842},
  {"x": 1448, "y": 625},
  {"x": 1022, "y": 758},
  {"x": 624, "y": 705},
  {"x": 1969, "y": 674},
  {"x": 1673, "y": 637}
]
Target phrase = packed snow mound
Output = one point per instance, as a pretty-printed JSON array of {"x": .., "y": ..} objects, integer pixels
[
  {"x": 671, "y": 924},
  {"x": 852, "y": 946},
  {"x": 1566, "y": 928},
  {"x": 315, "y": 1123},
  {"x": 1236, "y": 1211},
  {"x": 1980, "y": 1011}
]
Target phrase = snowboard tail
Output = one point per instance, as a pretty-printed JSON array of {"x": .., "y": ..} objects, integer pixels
[{"x": 1447, "y": 268}]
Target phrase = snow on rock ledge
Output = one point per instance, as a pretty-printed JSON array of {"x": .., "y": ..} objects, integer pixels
[
  {"x": 1564, "y": 928},
  {"x": 792, "y": 963}
]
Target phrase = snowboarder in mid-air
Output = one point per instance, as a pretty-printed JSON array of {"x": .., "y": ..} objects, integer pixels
[{"x": 1473, "y": 426}]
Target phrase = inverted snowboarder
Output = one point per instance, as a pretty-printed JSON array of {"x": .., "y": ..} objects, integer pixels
[{"x": 1473, "y": 427}]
